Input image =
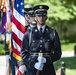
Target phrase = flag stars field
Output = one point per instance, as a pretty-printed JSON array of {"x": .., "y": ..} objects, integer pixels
[{"x": 17, "y": 5}]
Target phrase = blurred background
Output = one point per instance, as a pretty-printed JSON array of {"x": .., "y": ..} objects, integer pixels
[{"x": 62, "y": 17}]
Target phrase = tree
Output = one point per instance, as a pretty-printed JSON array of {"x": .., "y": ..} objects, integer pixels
[{"x": 61, "y": 14}]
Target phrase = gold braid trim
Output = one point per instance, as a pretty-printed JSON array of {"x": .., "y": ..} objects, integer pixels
[{"x": 17, "y": 57}]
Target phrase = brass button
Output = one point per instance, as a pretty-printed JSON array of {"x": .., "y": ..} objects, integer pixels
[
  {"x": 40, "y": 45},
  {"x": 33, "y": 41},
  {"x": 40, "y": 50},
  {"x": 48, "y": 40},
  {"x": 40, "y": 40}
]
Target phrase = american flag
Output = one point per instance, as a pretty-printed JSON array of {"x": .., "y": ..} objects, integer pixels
[{"x": 18, "y": 27}]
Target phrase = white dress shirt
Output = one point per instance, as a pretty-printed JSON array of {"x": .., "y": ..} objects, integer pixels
[{"x": 43, "y": 28}]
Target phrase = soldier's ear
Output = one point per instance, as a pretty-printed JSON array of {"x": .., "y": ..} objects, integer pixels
[{"x": 46, "y": 17}]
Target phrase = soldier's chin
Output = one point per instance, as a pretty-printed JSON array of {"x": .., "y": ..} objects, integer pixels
[{"x": 33, "y": 22}]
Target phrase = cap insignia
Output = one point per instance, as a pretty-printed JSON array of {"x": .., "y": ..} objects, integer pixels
[{"x": 40, "y": 7}]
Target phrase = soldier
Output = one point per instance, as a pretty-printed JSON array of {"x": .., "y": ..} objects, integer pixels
[
  {"x": 45, "y": 46},
  {"x": 29, "y": 24},
  {"x": 7, "y": 53}
]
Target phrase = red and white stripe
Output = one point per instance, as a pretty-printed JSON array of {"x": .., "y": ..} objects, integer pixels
[{"x": 18, "y": 30}]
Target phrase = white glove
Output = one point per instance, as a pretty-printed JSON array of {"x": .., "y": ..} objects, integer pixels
[
  {"x": 22, "y": 68},
  {"x": 39, "y": 66},
  {"x": 41, "y": 59},
  {"x": 8, "y": 57}
]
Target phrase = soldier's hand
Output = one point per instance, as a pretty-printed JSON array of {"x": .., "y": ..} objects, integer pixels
[
  {"x": 22, "y": 68},
  {"x": 41, "y": 59},
  {"x": 8, "y": 57},
  {"x": 39, "y": 66}
]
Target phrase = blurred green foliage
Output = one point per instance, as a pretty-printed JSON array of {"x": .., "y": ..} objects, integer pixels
[
  {"x": 59, "y": 9},
  {"x": 61, "y": 15},
  {"x": 1, "y": 49}
]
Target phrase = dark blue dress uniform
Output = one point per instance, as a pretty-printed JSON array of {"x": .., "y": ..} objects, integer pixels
[
  {"x": 48, "y": 44},
  {"x": 28, "y": 11}
]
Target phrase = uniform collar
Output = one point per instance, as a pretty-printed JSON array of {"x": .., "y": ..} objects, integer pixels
[{"x": 43, "y": 27}]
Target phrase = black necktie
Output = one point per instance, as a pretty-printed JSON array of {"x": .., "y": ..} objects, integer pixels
[{"x": 41, "y": 31}]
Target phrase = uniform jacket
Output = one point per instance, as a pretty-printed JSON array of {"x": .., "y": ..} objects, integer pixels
[{"x": 47, "y": 43}]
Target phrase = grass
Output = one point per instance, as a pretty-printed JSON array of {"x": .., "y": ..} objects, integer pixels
[
  {"x": 68, "y": 46},
  {"x": 70, "y": 71},
  {"x": 70, "y": 65},
  {"x": 1, "y": 49}
]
